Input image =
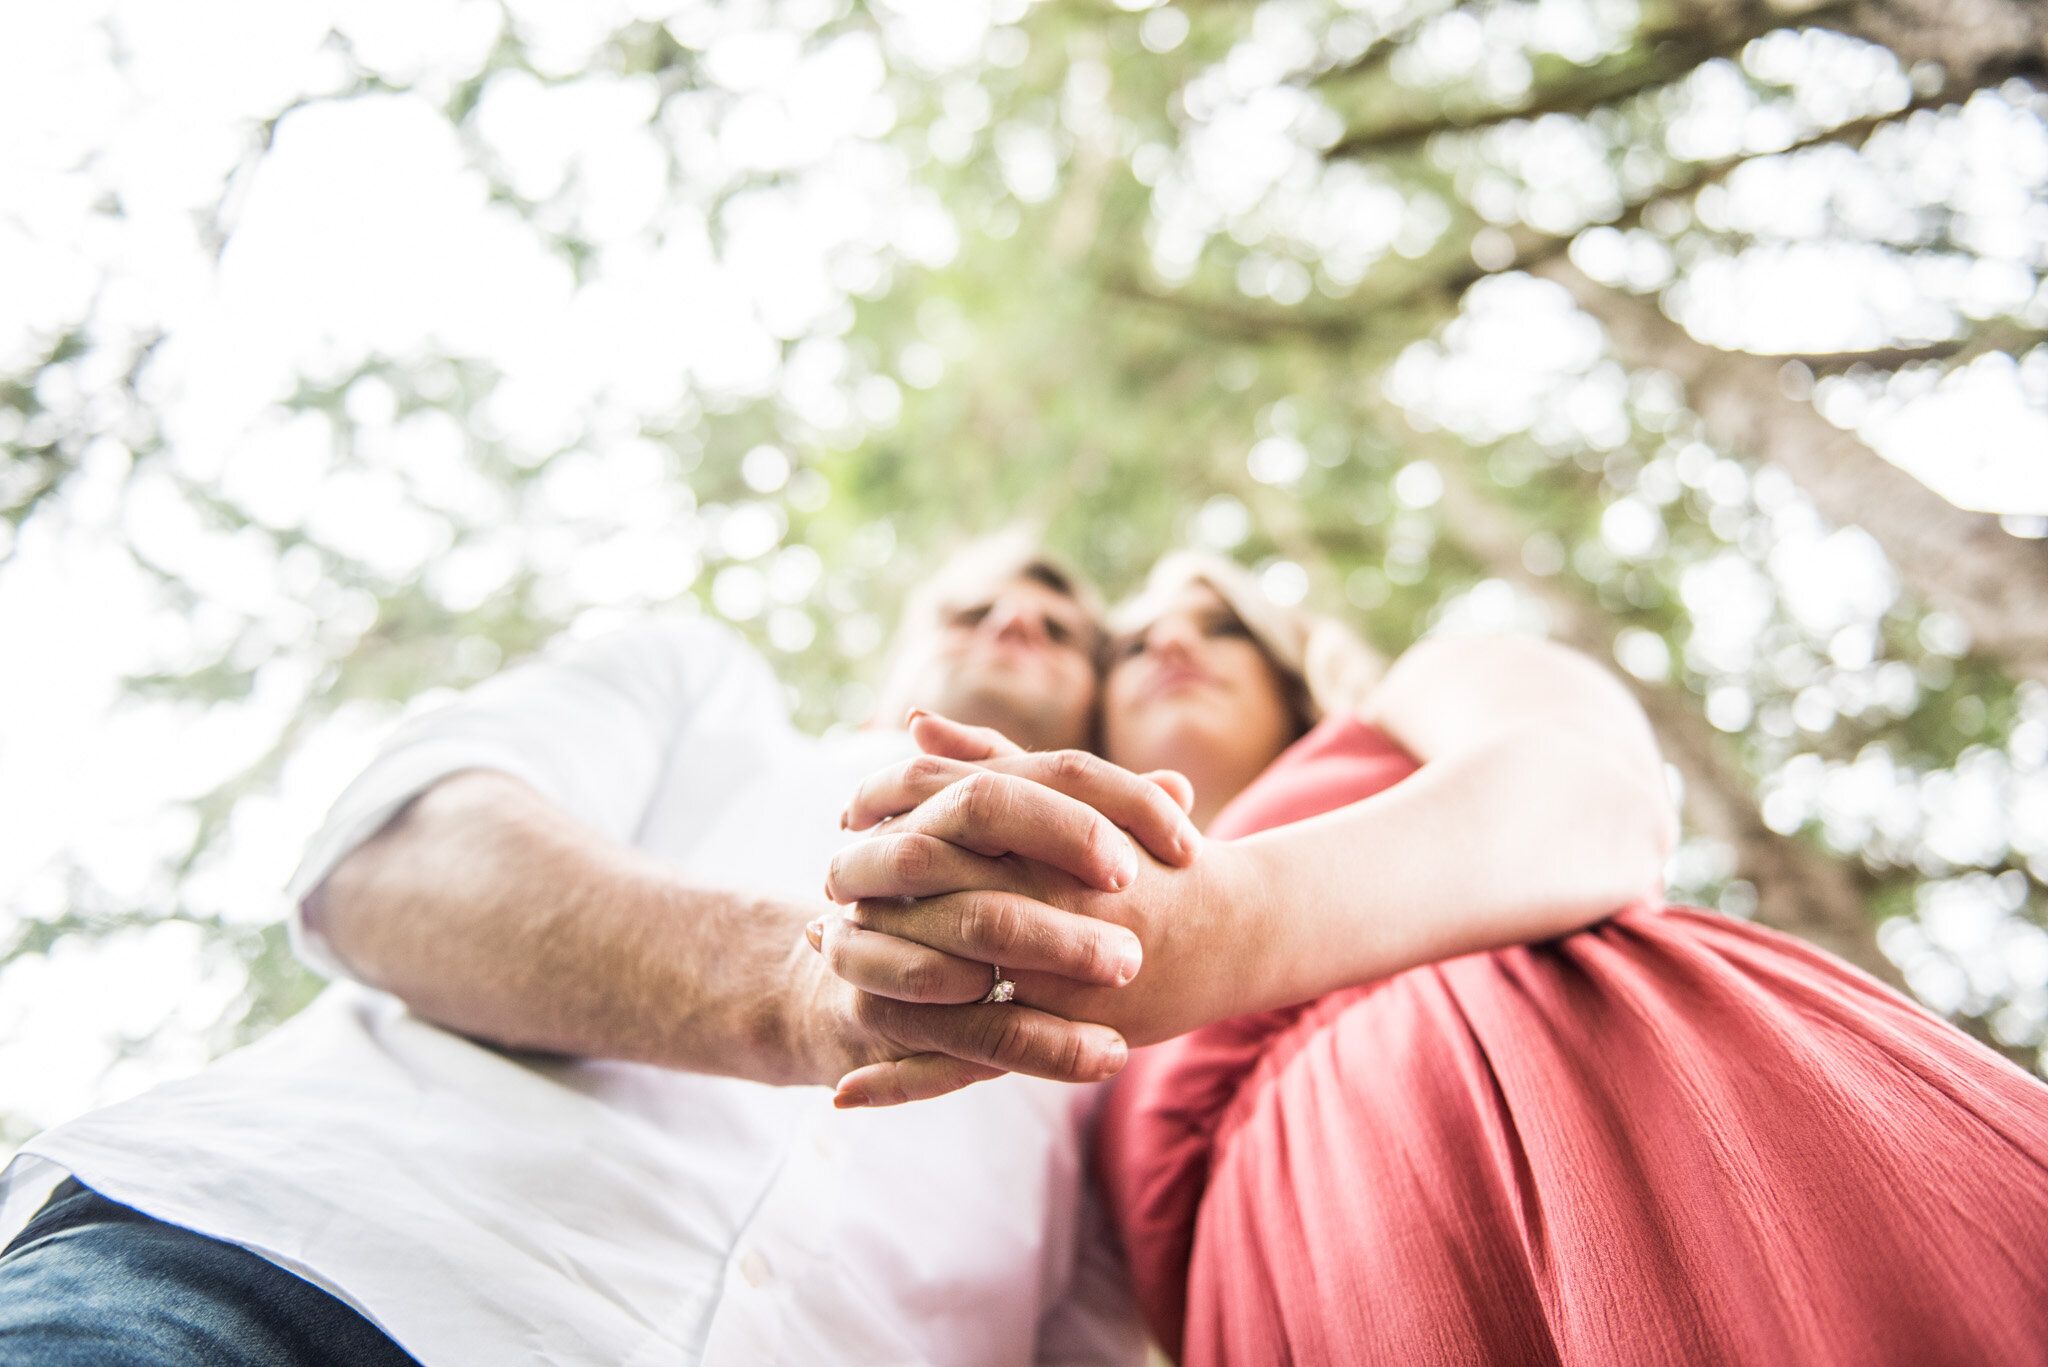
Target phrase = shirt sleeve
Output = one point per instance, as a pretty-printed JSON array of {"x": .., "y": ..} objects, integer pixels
[{"x": 591, "y": 727}]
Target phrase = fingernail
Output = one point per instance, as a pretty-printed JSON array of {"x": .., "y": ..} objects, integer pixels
[
  {"x": 1126, "y": 869},
  {"x": 842, "y": 821},
  {"x": 849, "y": 1100},
  {"x": 1133, "y": 959},
  {"x": 915, "y": 713},
  {"x": 815, "y": 933}
]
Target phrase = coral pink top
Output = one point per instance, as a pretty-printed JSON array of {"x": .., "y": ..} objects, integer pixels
[{"x": 1670, "y": 1138}]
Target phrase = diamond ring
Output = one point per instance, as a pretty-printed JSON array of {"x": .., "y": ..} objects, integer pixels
[{"x": 1003, "y": 990}]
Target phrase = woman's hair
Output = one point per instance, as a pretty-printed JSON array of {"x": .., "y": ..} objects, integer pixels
[{"x": 1323, "y": 664}]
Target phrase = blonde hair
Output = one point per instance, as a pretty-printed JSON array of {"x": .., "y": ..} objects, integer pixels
[{"x": 1326, "y": 666}]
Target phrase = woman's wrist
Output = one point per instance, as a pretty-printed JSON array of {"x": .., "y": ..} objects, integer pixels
[
  {"x": 1246, "y": 935},
  {"x": 1296, "y": 936}
]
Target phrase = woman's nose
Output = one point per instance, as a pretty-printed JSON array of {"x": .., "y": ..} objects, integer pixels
[{"x": 1168, "y": 637}]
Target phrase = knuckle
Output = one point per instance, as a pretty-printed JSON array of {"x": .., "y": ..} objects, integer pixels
[
  {"x": 943, "y": 1076},
  {"x": 1158, "y": 802},
  {"x": 1072, "y": 766},
  {"x": 981, "y": 798},
  {"x": 1100, "y": 840},
  {"x": 1097, "y": 961},
  {"x": 1007, "y": 1037},
  {"x": 912, "y": 857},
  {"x": 1069, "y": 1054},
  {"x": 922, "y": 979},
  {"x": 924, "y": 772},
  {"x": 989, "y": 923}
]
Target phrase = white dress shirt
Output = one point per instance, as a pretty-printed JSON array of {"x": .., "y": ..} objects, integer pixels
[{"x": 488, "y": 1208}]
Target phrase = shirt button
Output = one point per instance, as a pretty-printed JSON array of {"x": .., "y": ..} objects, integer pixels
[
  {"x": 822, "y": 1144},
  {"x": 754, "y": 1267}
]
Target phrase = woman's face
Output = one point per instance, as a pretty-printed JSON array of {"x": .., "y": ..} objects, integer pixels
[{"x": 1194, "y": 692}]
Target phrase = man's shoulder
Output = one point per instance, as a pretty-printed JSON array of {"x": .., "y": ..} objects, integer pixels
[
  {"x": 672, "y": 654},
  {"x": 658, "y": 638}
]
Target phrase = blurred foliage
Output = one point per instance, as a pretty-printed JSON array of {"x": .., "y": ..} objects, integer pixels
[{"x": 1204, "y": 252}]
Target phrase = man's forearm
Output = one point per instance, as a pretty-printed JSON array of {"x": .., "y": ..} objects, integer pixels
[{"x": 490, "y": 911}]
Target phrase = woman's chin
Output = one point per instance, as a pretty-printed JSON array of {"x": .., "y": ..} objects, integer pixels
[{"x": 1153, "y": 742}]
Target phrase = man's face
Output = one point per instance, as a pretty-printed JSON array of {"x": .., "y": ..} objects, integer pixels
[{"x": 1019, "y": 656}]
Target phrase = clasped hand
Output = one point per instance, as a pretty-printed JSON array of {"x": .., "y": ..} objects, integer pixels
[{"x": 1086, "y": 883}]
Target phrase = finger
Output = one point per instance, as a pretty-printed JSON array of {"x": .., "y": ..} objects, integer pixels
[
  {"x": 1004, "y": 928},
  {"x": 939, "y": 735},
  {"x": 911, "y": 864},
  {"x": 900, "y": 969},
  {"x": 1140, "y": 805},
  {"x": 899, "y": 788},
  {"x": 1176, "y": 785},
  {"x": 996, "y": 814},
  {"x": 1150, "y": 807},
  {"x": 917, "y": 1078},
  {"x": 1014, "y": 1038}
]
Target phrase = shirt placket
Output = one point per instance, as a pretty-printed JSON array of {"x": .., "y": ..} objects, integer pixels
[{"x": 778, "y": 1249}]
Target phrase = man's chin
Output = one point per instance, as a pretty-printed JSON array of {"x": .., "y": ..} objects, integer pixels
[{"x": 1031, "y": 720}]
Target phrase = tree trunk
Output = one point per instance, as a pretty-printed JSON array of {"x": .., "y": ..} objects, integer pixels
[
  {"x": 1799, "y": 889},
  {"x": 1948, "y": 557},
  {"x": 1976, "y": 42}
]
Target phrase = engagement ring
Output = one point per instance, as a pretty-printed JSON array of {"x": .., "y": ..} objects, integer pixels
[{"x": 1004, "y": 990}]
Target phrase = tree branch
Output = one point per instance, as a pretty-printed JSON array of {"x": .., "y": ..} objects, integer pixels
[
  {"x": 1530, "y": 247},
  {"x": 1949, "y": 557},
  {"x": 1697, "y": 33}
]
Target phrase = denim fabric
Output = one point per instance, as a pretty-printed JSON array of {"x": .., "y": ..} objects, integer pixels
[{"x": 93, "y": 1284}]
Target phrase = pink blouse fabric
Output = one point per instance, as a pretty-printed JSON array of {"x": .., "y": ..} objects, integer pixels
[{"x": 1669, "y": 1138}]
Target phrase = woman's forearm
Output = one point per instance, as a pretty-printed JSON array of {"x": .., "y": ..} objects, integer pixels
[{"x": 1532, "y": 835}]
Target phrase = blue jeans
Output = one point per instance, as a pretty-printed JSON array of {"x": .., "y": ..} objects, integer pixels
[{"x": 93, "y": 1284}]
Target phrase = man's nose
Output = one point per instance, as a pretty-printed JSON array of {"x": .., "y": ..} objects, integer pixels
[{"x": 1016, "y": 621}]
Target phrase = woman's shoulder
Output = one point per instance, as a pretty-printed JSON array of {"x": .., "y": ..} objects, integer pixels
[{"x": 1343, "y": 759}]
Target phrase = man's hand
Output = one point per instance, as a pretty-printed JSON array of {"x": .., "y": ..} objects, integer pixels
[
  {"x": 529, "y": 931},
  {"x": 939, "y": 1049},
  {"x": 1152, "y": 807}
]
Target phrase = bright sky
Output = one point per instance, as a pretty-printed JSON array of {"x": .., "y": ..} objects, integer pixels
[{"x": 368, "y": 229}]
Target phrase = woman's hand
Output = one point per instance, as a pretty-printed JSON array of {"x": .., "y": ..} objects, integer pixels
[
  {"x": 930, "y": 937},
  {"x": 841, "y": 1031},
  {"x": 929, "y": 917}
]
